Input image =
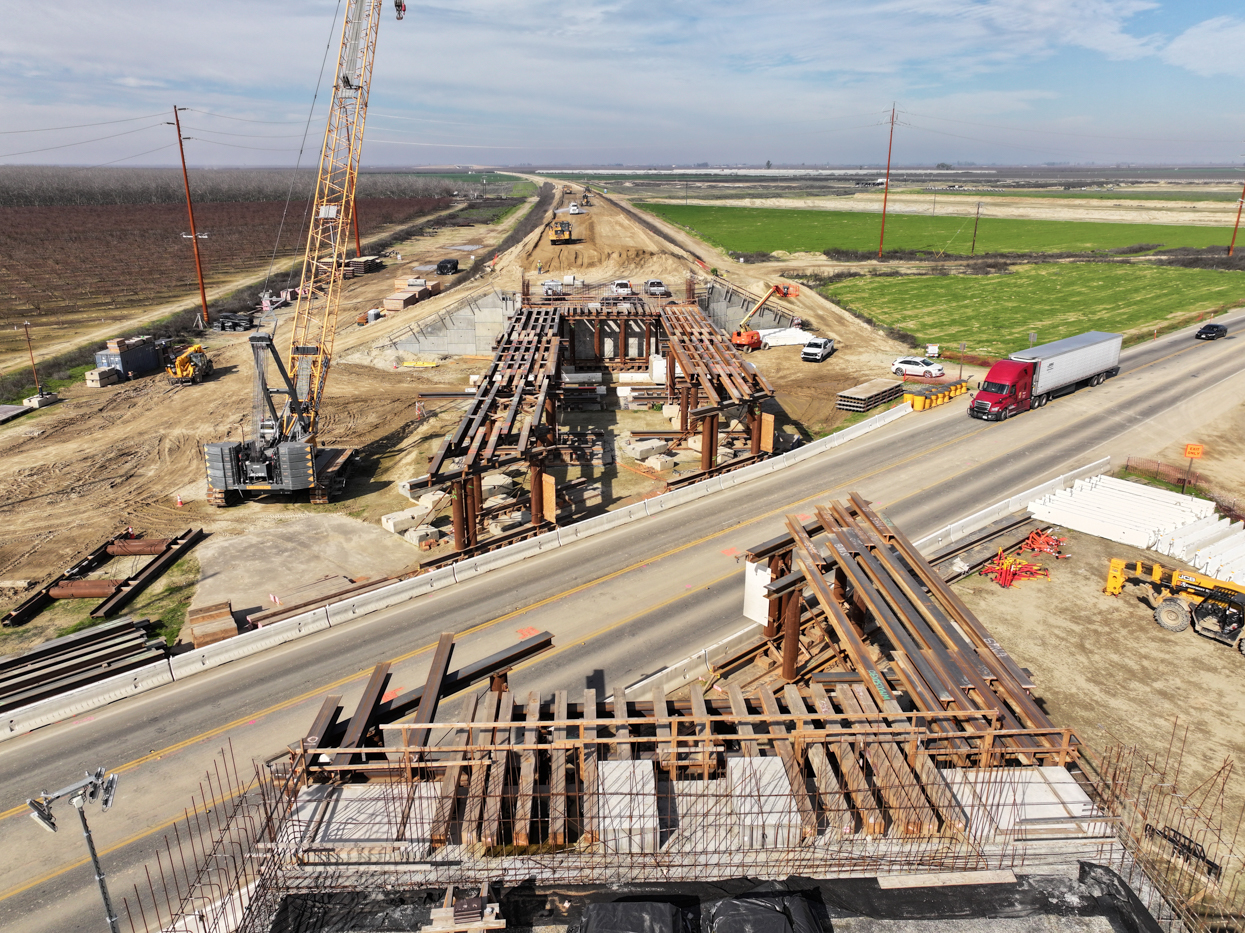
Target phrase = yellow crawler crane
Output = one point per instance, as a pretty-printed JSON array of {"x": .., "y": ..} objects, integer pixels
[
  {"x": 1215, "y": 608},
  {"x": 282, "y": 453}
]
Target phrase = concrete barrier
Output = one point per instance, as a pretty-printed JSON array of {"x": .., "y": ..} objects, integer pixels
[
  {"x": 511, "y": 553},
  {"x": 953, "y": 532},
  {"x": 697, "y": 665},
  {"x": 599, "y": 523},
  {"x": 54, "y": 709},
  {"x": 391, "y": 595},
  {"x": 248, "y": 643}
]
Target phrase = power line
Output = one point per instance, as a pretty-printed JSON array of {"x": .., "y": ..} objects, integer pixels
[
  {"x": 213, "y": 142},
  {"x": 199, "y": 129},
  {"x": 81, "y": 143},
  {"x": 51, "y": 129},
  {"x": 224, "y": 116},
  {"x": 87, "y": 168}
]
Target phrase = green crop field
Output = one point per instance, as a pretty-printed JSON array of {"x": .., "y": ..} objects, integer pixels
[
  {"x": 994, "y": 314},
  {"x": 763, "y": 230},
  {"x": 1097, "y": 194}
]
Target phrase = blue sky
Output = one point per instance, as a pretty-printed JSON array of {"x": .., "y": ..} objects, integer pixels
[{"x": 635, "y": 81}]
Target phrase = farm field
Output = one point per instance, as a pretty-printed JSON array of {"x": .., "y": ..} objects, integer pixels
[
  {"x": 761, "y": 230},
  {"x": 68, "y": 267},
  {"x": 1116, "y": 194},
  {"x": 994, "y": 314}
]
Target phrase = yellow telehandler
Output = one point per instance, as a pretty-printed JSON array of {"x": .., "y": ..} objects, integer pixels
[{"x": 1215, "y": 608}]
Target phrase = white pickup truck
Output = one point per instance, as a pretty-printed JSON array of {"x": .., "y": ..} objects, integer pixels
[{"x": 817, "y": 349}]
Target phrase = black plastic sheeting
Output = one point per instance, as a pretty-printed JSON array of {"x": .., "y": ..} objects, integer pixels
[
  {"x": 760, "y": 912},
  {"x": 634, "y": 917},
  {"x": 742, "y": 905}
]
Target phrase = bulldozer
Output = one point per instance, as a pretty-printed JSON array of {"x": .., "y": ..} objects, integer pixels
[
  {"x": 192, "y": 366},
  {"x": 749, "y": 340},
  {"x": 1180, "y": 598},
  {"x": 560, "y": 234}
]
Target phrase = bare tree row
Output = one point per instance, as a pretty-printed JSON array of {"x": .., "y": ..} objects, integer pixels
[{"x": 42, "y": 186}]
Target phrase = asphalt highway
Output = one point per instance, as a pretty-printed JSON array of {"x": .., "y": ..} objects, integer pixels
[{"x": 621, "y": 605}]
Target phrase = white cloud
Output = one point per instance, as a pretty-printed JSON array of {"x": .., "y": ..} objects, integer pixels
[
  {"x": 622, "y": 80},
  {"x": 1211, "y": 48}
]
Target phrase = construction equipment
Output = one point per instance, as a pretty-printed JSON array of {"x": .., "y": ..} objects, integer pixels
[
  {"x": 749, "y": 340},
  {"x": 282, "y": 453},
  {"x": 1008, "y": 569},
  {"x": 192, "y": 366},
  {"x": 1216, "y": 608},
  {"x": 561, "y": 233}
]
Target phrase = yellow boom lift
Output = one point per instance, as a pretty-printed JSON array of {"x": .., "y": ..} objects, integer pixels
[
  {"x": 283, "y": 453},
  {"x": 1215, "y": 608}
]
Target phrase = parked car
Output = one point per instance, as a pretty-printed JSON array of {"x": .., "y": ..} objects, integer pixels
[
  {"x": 916, "y": 366},
  {"x": 1211, "y": 332},
  {"x": 817, "y": 349},
  {"x": 656, "y": 288},
  {"x": 622, "y": 287},
  {"x": 447, "y": 267}
]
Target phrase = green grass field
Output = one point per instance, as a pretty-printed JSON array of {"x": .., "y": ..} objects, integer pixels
[
  {"x": 1119, "y": 194},
  {"x": 763, "y": 230},
  {"x": 994, "y": 314}
]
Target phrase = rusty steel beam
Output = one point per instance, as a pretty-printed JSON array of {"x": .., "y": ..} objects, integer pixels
[
  {"x": 453, "y": 682},
  {"x": 131, "y": 587}
]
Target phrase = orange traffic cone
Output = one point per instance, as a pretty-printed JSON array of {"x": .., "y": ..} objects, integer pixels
[{"x": 179, "y": 500}]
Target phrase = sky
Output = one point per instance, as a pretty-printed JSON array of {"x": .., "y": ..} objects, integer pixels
[{"x": 636, "y": 82}]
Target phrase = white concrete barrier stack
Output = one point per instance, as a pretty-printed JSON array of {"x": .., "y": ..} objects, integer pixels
[
  {"x": 1118, "y": 510},
  {"x": 1214, "y": 545}
]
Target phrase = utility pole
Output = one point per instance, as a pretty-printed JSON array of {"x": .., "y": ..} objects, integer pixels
[
  {"x": 194, "y": 237},
  {"x": 1239, "y": 204},
  {"x": 973, "y": 251},
  {"x": 887, "y": 189},
  {"x": 30, "y": 349}
]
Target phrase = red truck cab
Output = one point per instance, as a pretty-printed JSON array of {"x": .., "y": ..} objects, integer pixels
[{"x": 1007, "y": 390}]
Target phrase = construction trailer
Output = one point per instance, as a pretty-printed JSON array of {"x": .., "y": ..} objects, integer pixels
[{"x": 132, "y": 356}]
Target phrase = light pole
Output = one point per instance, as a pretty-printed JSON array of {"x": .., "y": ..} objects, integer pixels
[{"x": 91, "y": 788}]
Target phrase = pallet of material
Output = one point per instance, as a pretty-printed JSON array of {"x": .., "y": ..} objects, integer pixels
[
  {"x": 120, "y": 344},
  {"x": 209, "y": 624},
  {"x": 361, "y": 266},
  {"x": 98, "y": 378},
  {"x": 869, "y": 395},
  {"x": 400, "y": 301}
]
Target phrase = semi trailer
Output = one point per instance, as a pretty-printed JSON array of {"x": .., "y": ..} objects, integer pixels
[{"x": 1030, "y": 378}]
